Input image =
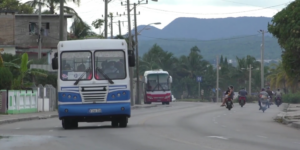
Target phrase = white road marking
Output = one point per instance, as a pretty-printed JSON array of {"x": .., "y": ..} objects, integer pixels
[
  {"x": 99, "y": 125},
  {"x": 262, "y": 136},
  {"x": 218, "y": 137},
  {"x": 50, "y": 130},
  {"x": 17, "y": 128}
]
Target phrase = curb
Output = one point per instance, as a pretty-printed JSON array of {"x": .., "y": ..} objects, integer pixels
[
  {"x": 26, "y": 119},
  {"x": 53, "y": 116},
  {"x": 282, "y": 119},
  {"x": 146, "y": 106}
]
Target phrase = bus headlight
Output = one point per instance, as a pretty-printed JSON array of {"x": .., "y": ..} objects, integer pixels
[
  {"x": 167, "y": 96},
  {"x": 75, "y": 97},
  {"x": 113, "y": 96},
  {"x": 69, "y": 96},
  {"x": 124, "y": 93},
  {"x": 64, "y": 95},
  {"x": 119, "y": 94}
]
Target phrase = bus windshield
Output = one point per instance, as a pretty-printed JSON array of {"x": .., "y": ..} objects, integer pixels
[
  {"x": 110, "y": 63},
  {"x": 158, "y": 82},
  {"x": 75, "y": 64}
]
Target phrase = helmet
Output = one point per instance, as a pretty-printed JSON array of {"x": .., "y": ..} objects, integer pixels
[
  {"x": 278, "y": 89},
  {"x": 231, "y": 86}
]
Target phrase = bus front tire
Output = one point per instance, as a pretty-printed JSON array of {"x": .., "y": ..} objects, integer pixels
[
  {"x": 114, "y": 123},
  {"x": 69, "y": 124},
  {"x": 123, "y": 122}
]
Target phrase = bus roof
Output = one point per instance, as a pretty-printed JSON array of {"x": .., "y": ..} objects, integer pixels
[
  {"x": 92, "y": 44},
  {"x": 159, "y": 71}
]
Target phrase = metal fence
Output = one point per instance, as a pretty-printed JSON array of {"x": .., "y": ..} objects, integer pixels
[{"x": 48, "y": 96}]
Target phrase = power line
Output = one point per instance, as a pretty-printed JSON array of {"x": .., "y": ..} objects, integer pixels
[
  {"x": 199, "y": 40},
  {"x": 214, "y": 13}
]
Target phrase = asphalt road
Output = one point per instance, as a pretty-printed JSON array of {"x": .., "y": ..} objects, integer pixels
[{"x": 179, "y": 126}]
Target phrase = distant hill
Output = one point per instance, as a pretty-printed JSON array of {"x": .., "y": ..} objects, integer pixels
[{"x": 183, "y": 33}]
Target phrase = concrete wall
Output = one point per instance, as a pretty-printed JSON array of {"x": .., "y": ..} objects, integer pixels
[
  {"x": 23, "y": 38},
  {"x": 7, "y": 28},
  {"x": 8, "y": 49}
]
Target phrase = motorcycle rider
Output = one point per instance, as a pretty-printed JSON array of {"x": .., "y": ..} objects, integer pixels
[
  {"x": 270, "y": 93},
  {"x": 263, "y": 96},
  {"x": 229, "y": 95},
  {"x": 278, "y": 94},
  {"x": 243, "y": 93}
]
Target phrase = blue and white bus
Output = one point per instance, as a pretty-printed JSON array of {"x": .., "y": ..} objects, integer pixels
[{"x": 93, "y": 81}]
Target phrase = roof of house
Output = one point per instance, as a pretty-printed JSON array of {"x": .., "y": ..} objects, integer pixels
[{"x": 43, "y": 15}]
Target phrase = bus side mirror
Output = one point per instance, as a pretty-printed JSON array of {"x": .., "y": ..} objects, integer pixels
[
  {"x": 131, "y": 58},
  {"x": 170, "y": 79},
  {"x": 55, "y": 62}
]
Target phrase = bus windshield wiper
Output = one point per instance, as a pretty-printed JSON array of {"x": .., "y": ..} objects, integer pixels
[
  {"x": 105, "y": 76},
  {"x": 77, "y": 81}
]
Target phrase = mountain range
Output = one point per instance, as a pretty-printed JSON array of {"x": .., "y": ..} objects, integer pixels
[{"x": 231, "y": 37}]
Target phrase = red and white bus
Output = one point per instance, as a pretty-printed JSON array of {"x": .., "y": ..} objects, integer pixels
[{"x": 157, "y": 87}]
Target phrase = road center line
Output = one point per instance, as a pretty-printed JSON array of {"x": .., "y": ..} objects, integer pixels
[
  {"x": 218, "y": 137},
  {"x": 262, "y": 136}
]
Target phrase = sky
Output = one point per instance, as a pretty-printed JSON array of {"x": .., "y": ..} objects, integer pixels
[{"x": 165, "y": 11}]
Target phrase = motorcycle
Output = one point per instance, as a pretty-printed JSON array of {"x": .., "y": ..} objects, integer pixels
[
  {"x": 229, "y": 103},
  {"x": 265, "y": 104},
  {"x": 242, "y": 100},
  {"x": 278, "y": 101}
]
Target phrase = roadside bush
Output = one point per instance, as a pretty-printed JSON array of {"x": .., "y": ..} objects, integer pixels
[
  {"x": 6, "y": 78},
  {"x": 293, "y": 98}
]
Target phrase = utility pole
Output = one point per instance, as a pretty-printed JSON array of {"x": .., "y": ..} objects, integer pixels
[
  {"x": 120, "y": 33},
  {"x": 138, "y": 101},
  {"x": 61, "y": 22},
  {"x": 262, "y": 58},
  {"x": 131, "y": 50},
  {"x": 136, "y": 45},
  {"x": 250, "y": 69},
  {"x": 217, "y": 90},
  {"x": 111, "y": 26},
  {"x": 40, "y": 32}
]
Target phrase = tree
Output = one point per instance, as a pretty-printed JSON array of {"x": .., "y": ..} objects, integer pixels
[
  {"x": 15, "y": 5},
  {"x": 285, "y": 27},
  {"x": 5, "y": 78},
  {"x": 98, "y": 23},
  {"x": 18, "y": 82},
  {"x": 52, "y": 5}
]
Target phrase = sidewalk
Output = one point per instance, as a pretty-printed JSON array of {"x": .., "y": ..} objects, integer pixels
[
  {"x": 4, "y": 119},
  {"x": 290, "y": 116}
]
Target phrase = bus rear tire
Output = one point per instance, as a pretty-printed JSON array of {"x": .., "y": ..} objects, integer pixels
[
  {"x": 123, "y": 122},
  {"x": 167, "y": 103}
]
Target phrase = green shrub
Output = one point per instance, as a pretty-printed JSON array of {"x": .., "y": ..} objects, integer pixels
[
  {"x": 293, "y": 98},
  {"x": 6, "y": 78}
]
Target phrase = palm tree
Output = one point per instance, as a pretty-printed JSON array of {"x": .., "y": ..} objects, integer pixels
[
  {"x": 52, "y": 5},
  {"x": 279, "y": 78}
]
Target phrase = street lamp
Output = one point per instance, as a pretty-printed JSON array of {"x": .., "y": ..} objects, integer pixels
[{"x": 137, "y": 58}]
